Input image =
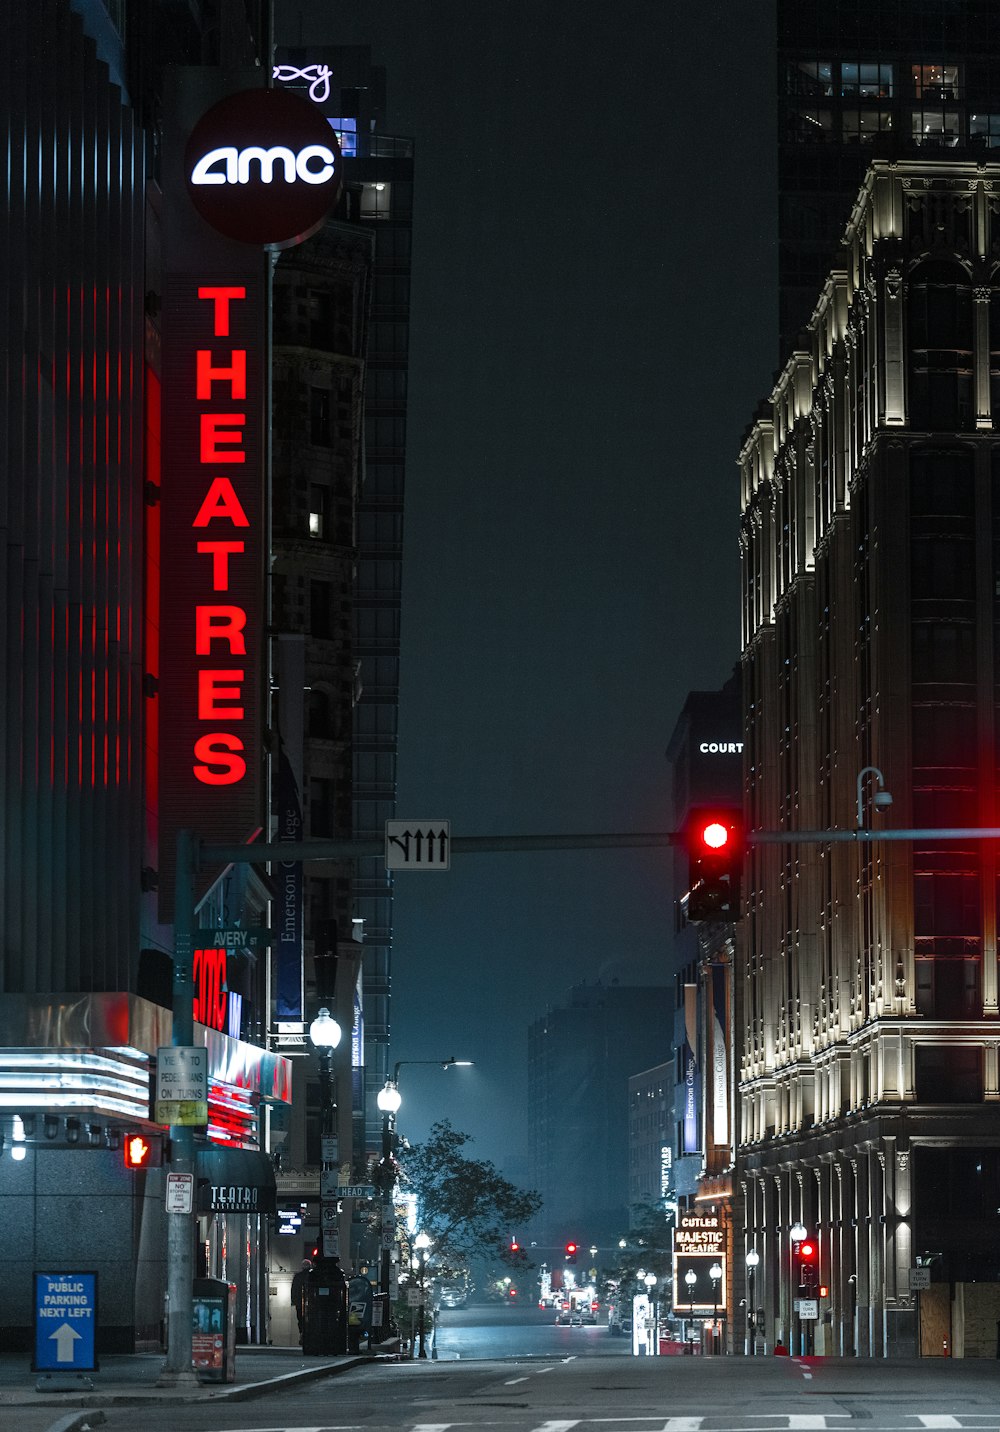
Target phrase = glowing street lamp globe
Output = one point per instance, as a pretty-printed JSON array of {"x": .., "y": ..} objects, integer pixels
[{"x": 324, "y": 1031}]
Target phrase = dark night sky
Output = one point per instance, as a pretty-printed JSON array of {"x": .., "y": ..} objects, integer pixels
[{"x": 593, "y": 321}]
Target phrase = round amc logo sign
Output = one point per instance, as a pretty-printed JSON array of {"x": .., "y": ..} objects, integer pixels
[{"x": 263, "y": 167}]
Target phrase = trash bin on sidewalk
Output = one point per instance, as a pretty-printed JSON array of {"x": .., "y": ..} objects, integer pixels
[
  {"x": 324, "y": 1321},
  {"x": 213, "y": 1330}
]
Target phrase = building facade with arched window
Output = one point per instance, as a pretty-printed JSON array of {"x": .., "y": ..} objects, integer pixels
[{"x": 869, "y": 1078}]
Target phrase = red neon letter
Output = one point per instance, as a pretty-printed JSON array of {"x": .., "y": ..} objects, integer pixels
[
  {"x": 218, "y": 428},
  {"x": 220, "y": 749},
  {"x": 236, "y": 376},
  {"x": 221, "y": 501},
  {"x": 220, "y": 298},
  {"x": 211, "y": 695},
  {"x": 220, "y": 561},
  {"x": 219, "y": 624}
]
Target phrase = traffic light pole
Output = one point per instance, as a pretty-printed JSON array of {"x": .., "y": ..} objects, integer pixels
[
  {"x": 177, "y": 1370},
  {"x": 193, "y": 855}
]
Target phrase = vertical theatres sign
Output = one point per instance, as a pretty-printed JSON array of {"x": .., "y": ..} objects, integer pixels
[
  {"x": 256, "y": 170},
  {"x": 212, "y": 607}
]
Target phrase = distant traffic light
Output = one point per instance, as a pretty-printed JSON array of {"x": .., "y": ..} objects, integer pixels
[
  {"x": 808, "y": 1272},
  {"x": 515, "y": 1247},
  {"x": 571, "y": 1251},
  {"x": 713, "y": 838},
  {"x": 143, "y": 1151}
]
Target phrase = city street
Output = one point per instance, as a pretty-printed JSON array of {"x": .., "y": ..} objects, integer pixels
[
  {"x": 614, "y": 1395},
  {"x": 582, "y": 1380}
]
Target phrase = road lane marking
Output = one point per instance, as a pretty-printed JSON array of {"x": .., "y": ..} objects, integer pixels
[
  {"x": 515, "y": 1380},
  {"x": 936, "y": 1419},
  {"x": 556, "y": 1426}
]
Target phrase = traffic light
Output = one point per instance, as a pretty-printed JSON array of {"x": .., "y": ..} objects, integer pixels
[
  {"x": 143, "y": 1150},
  {"x": 571, "y": 1251},
  {"x": 713, "y": 838},
  {"x": 808, "y": 1271}
]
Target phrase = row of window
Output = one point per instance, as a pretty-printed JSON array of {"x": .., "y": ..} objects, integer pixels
[
  {"x": 873, "y": 79},
  {"x": 935, "y": 128}
]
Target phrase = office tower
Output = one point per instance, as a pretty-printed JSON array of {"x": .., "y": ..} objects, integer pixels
[
  {"x": 887, "y": 77},
  {"x": 378, "y": 200},
  {"x": 869, "y": 1079},
  {"x": 581, "y": 1055}
]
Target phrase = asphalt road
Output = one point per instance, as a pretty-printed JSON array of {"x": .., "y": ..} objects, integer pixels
[{"x": 616, "y": 1393}]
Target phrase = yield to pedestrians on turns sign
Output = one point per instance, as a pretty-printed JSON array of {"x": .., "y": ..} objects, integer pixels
[{"x": 65, "y": 1322}]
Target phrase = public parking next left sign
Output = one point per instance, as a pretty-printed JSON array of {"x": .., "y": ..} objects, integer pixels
[{"x": 65, "y": 1322}]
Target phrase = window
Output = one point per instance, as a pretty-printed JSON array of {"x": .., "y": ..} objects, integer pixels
[
  {"x": 944, "y": 652},
  {"x": 941, "y": 484},
  {"x": 946, "y": 906},
  {"x": 376, "y": 200},
  {"x": 942, "y": 569},
  {"x": 944, "y": 737},
  {"x": 318, "y": 723},
  {"x": 320, "y": 318},
  {"x": 809, "y": 77},
  {"x": 860, "y": 126},
  {"x": 936, "y": 82},
  {"x": 321, "y": 609},
  {"x": 319, "y": 510},
  {"x": 810, "y": 126},
  {"x": 984, "y": 131},
  {"x": 320, "y": 807},
  {"x": 949, "y": 989},
  {"x": 948, "y": 1074},
  {"x": 871, "y": 81},
  {"x": 935, "y": 128},
  {"x": 320, "y": 403}
]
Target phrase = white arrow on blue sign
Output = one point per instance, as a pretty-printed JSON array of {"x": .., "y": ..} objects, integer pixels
[{"x": 65, "y": 1322}]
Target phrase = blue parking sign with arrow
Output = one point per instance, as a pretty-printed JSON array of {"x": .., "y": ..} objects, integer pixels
[{"x": 65, "y": 1322}]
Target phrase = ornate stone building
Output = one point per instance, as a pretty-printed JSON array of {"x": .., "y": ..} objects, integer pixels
[{"x": 869, "y": 1084}]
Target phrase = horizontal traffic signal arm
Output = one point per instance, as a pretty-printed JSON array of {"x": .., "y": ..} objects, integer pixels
[{"x": 207, "y": 855}]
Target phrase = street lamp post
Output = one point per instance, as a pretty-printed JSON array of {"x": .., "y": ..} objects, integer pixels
[
  {"x": 389, "y": 1101},
  {"x": 422, "y": 1243},
  {"x": 715, "y": 1273},
  {"x": 325, "y": 1034},
  {"x": 690, "y": 1278},
  {"x": 753, "y": 1259},
  {"x": 796, "y": 1234}
]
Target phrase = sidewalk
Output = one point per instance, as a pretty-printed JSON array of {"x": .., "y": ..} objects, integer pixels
[{"x": 129, "y": 1380}]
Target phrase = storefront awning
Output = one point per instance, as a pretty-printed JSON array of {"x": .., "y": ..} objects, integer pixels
[{"x": 234, "y": 1180}]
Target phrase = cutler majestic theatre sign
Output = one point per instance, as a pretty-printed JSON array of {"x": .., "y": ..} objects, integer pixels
[{"x": 261, "y": 170}]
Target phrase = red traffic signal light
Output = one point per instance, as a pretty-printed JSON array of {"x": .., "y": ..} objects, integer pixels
[
  {"x": 807, "y": 1251},
  {"x": 143, "y": 1151},
  {"x": 571, "y": 1251},
  {"x": 713, "y": 838},
  {"x": 514, "y": 1245}
]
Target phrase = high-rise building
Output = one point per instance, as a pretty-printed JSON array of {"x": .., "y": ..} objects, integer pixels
[
  {"x": 581, "y": 1055},
  {"x": 869, "y": 1079},
  {"x": 887, "y": 77},
  {"x": 377, "y": 201}
]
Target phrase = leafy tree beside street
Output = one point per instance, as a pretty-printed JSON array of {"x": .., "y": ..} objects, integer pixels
[{"x": 465, "y": 1205}]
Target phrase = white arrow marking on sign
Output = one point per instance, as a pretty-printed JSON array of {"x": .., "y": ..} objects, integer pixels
[{"x": 65, "y": 1337}]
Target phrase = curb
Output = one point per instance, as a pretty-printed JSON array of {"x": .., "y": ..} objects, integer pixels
[{"x": 90, "y": 1413}]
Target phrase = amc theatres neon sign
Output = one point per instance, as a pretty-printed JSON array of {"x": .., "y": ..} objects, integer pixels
[
  {"x": 237, "y": 165},
  {"x": 263, "y": 167},
  {"x": 212, "y": 558},
  {"x": 220, "y": 624}
]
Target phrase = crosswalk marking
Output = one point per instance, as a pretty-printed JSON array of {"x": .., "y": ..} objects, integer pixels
[
  {"x": 938, "y": 1419},
  {"x": 556, "y": 1426}
]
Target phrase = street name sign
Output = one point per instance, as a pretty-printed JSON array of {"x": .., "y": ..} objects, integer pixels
[
  {"x": 65, "y": 1322},
  {"x": 182, "y": 1085},
  {"x": 417, "y": 845},
  {"x": 356, "y": 1190}
]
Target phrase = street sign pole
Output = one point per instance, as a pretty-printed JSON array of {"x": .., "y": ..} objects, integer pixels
[{"x": 177, "y": 1370}]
